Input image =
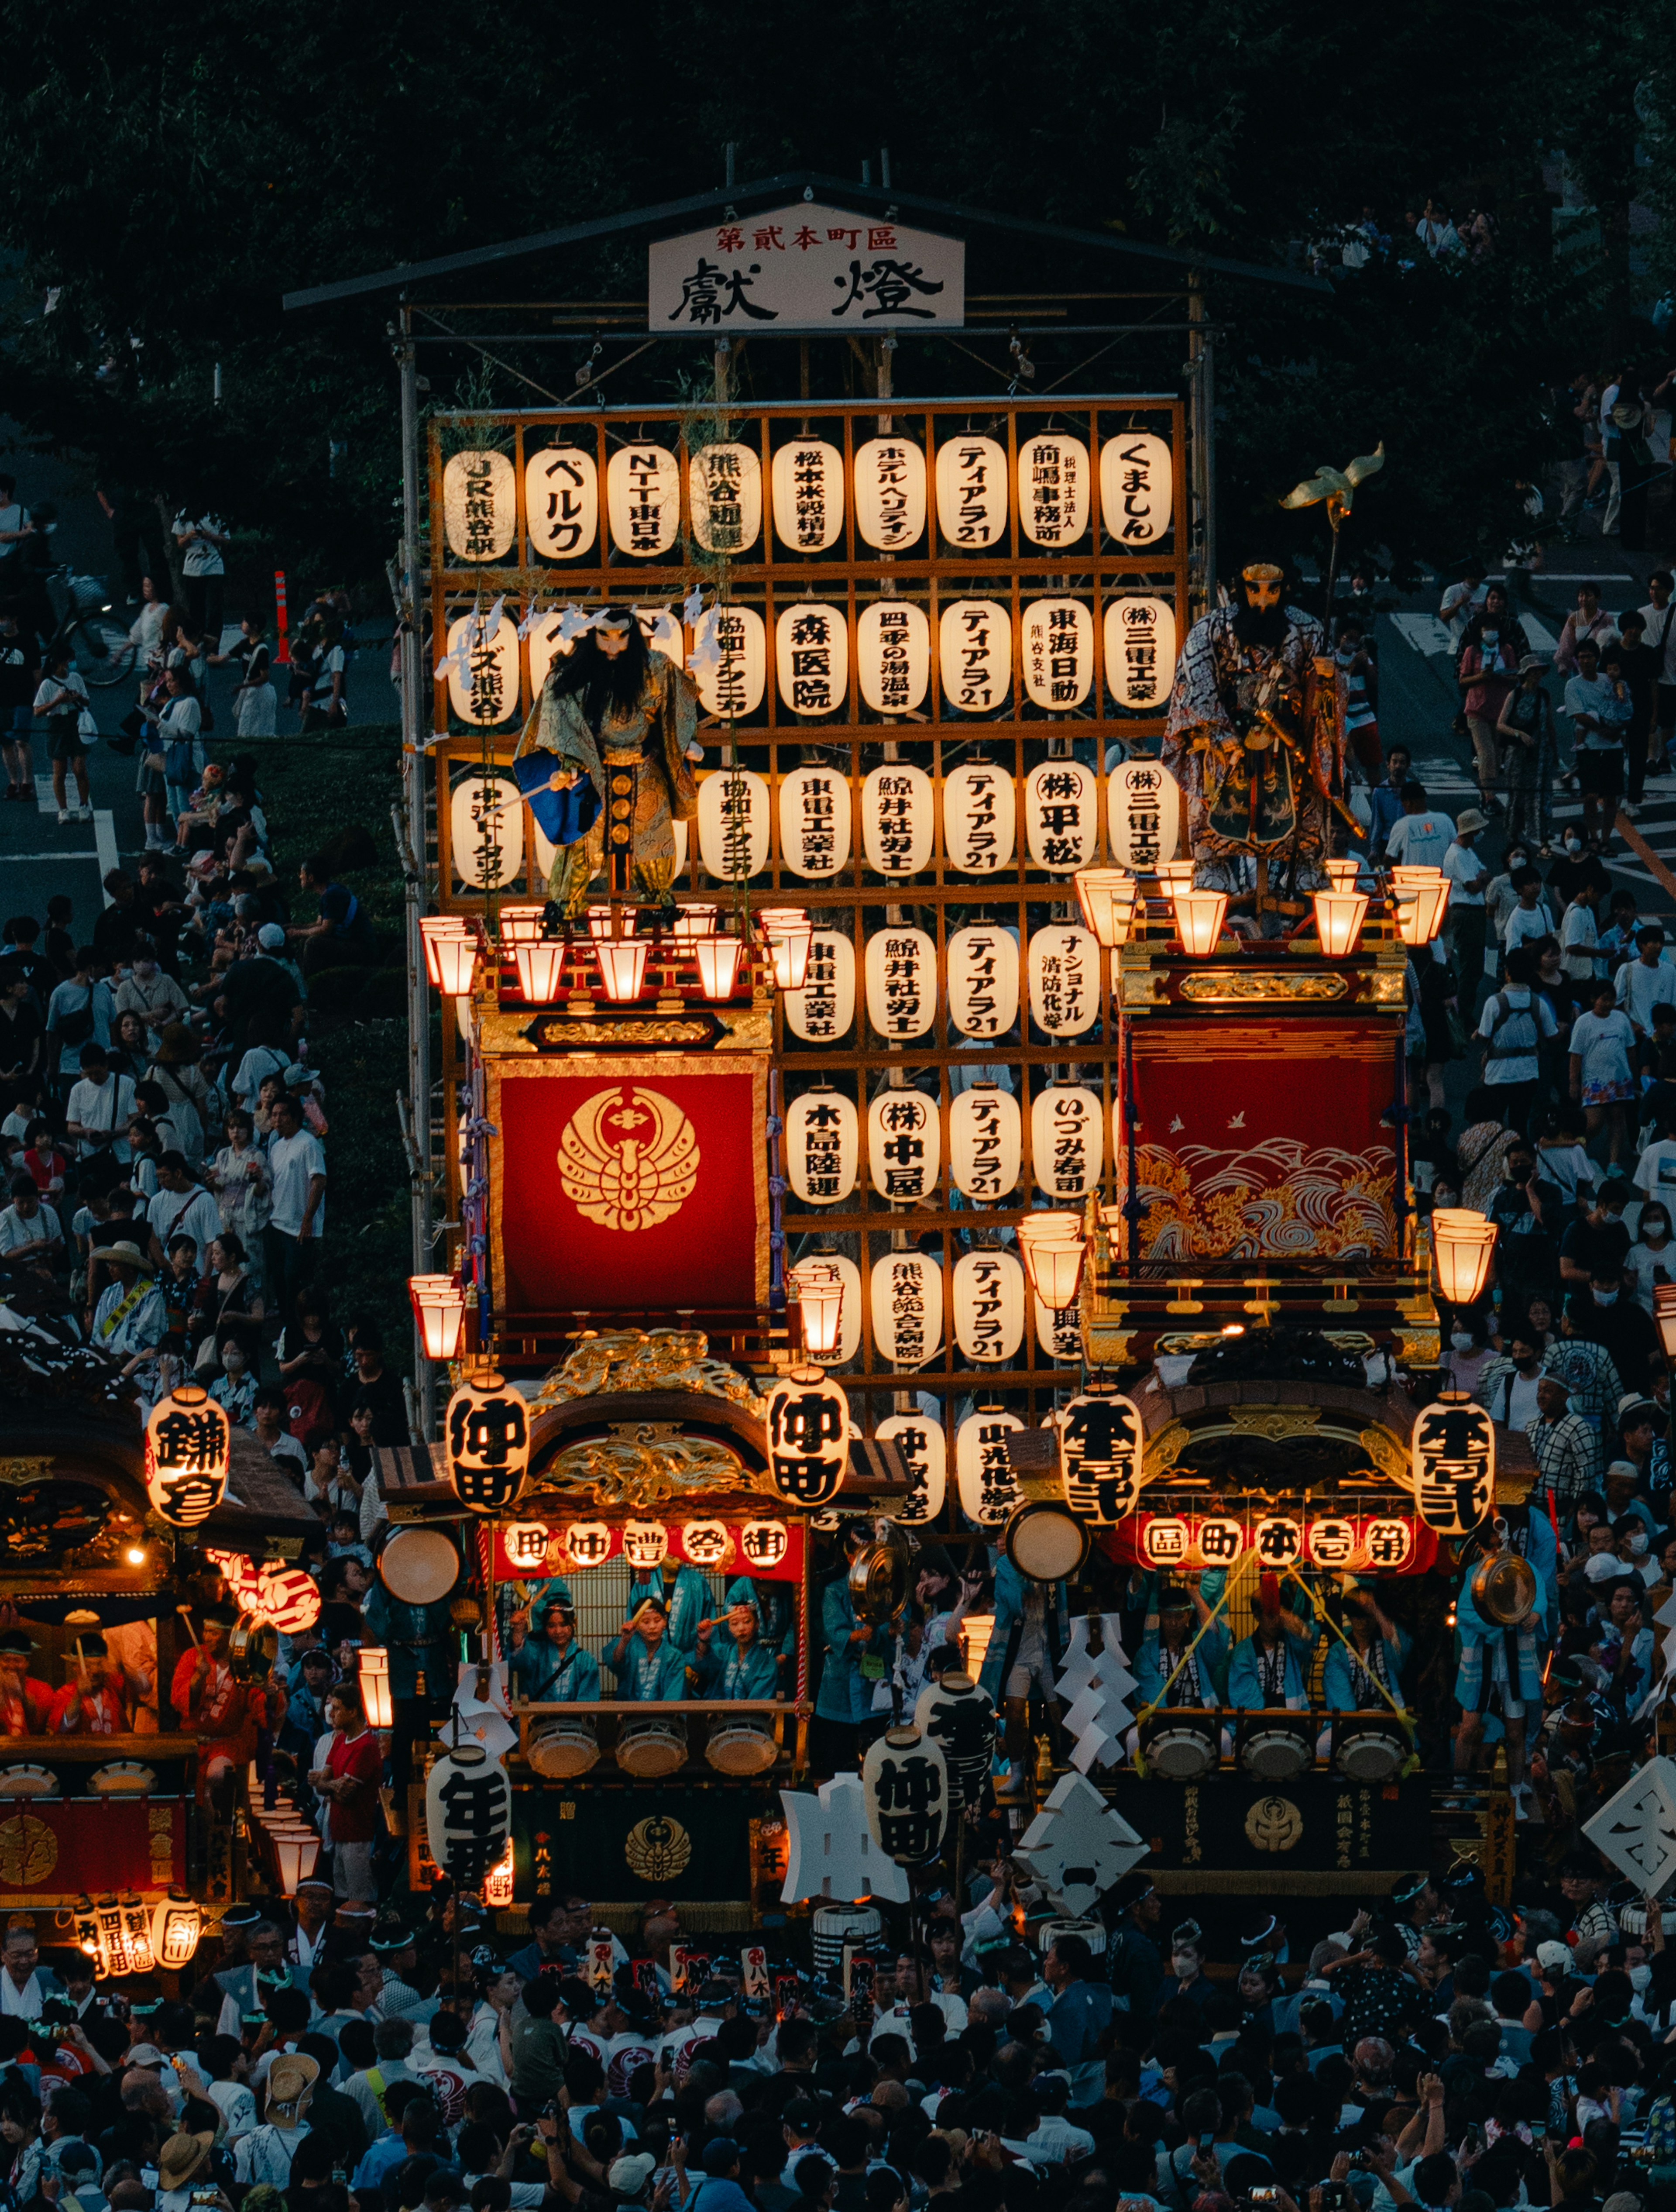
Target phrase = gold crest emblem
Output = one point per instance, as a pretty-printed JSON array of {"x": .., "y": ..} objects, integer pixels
[
  {"x": 628, "y": 1158},
  {"x": 1273, "y": 1824},
  {"x": 28, "y": 1851},
  {"x": 656, "y": 1847}
]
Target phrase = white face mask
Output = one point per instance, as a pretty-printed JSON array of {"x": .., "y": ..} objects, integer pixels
[
  {"x": 1641, "y": 1977},
  {"x": 1574, "y": 844},
  {"x": 1638, "y": 1540},
  {"x": 1460, "y": 1339}
]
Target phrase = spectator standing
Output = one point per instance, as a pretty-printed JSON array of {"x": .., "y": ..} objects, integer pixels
[
  {"x": 254, "y": 699},
  {"x": 59, "y": 703},
  {"x": 203, "y": 570},
  {"x": 1461, "y": 601},
  {"x": 1492, "y": 646},
  {"x": 1385, "y": 800},
  {"x": 1589, "y": 620},
  {"x": 1469, "y": 881},
  {"x": 1422, "y": 833},
  {"x": 1599, "y": 705},
  {"x": 1639, "y": 663},
  {"x": 20, "y": 664},
  {"x": 1525, "y": 728},
  {"x": 297, "y": 1211},
  {"x": 1516, "y": 1021},
  {"x": 1659, "y": 633}
]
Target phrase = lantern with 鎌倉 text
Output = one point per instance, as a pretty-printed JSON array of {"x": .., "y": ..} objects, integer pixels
[
  {"x": 487, "y": 1432},
  {"x": 188, "y": 1443},
  {"x": 808, "y": 1422}
]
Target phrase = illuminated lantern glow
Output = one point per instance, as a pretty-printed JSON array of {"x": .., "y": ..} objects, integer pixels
[
  {"x": 1389, "y": 1543},
  {"x": 706, "y": 1544},
  {"x": 980, "y": 818},
  {"x": 1067, "y": 1141},
  {"x": 889, "y": 494},
  {"x": 486, "y": 831},
  {"x": 764, "y": 1544},
  {"x": 643, "y": 500},
  {"x": 788, "y": 934},
  {"x": 373, "y": 1665},
  {"x": 176, "y": 1926},
  {"x": 725, "y": 487},
  {"x": 1140, "y": 653},
  {"x": 515, "y": 924},
  {"x": 645, "y": 1544},
  {"x": 808, "y": 1434},
  {"x": 1063, "y": 964},
  {"x": 972, "y": 492},
  {"x": 482, "y": 670},
  {"x": 1166, "y": 1541},
  {"x": 433, "y": 928},
  {"x": 975, "y": 656},
  {"x": 622, "y": 967},
  {"x": 1055, "y": 489},
  {"x": 587, "y": 1543},
  {"x": 498, "y": 1881},
  {"x": 455, "y": 954},
  {"x": 1422, "y": 896},
  {"x": 1101, "y": 1437},
  {"x": 907, "y": 1298},
  {"x": 188, "y": 1444},
  {"x": 1331, "y": 1542},
  {"x": 1050, "y": 1246},
  {"x": 1061, "y": 814},
  {"x": 986, "y": 1302},
  {"x": 986, "y": 1142},
  {"x": 1342, "y": 875},
  {"x": 820, "y": 1304},
  {"x": 479, "y": 505},
  {"x": 295, "y": 1852},
  {"x": 439, "y": 1307},
  {"x": 849, "y": 1320},
  {"x": 815, "y": 821},
  {"x": 893, "y": 656},
  {"x": 811, "y": 651},
  {"x": 732, "y": 679},
  {"x": 487, "y": 1430},
  {"x": 1198, "y": 919},
  {"x": 540, "y": 967},
  {"x": 1059, "y": 1334},
  {"x": 525, "y": 1543},
  {"x": 978, "y": 1628},
  {"x": 983, "y": 980},
  {"x": 717, "y": 961},
  {"x": 824, "y": 1009},
  {"x": 468, "y": 1813},
  {"x": 560, "y": 501},
  {"x": 904, "y": 1145},
  {"x": 905, "y": 1787},
  {"x": 1106, "y": 898},
  {"x": 806, "y": 478},
  {"x": 1462, "y": 1240},
  {"x": 1137, "y": 488},
  {"x": 1339, "y": 918},
  {"x": 733, "y": 814},
  {"x": 822, "y": 1145},
  {"x": 898, "y": 814},
  {"x": 1278, "y": 1541},
  {"x": 901, "y": 967},
  {"x": 1057, "y": 653},
  {"x": 984, "y": 1476},
  {"x": 1144, "y": 816},
  {"x": 925, "y": 1456}
]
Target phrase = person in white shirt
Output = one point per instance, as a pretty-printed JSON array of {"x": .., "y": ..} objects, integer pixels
[
  {"x": 101, "y": 1105},
  {"x": 58, "y": 706},
  {"x": 297, "y": 1211},
  {"x": 182, "y": 1207},
  {"x": 30, "y": 1232},
  {"x": 1468, "y": 918},
  {"x": 1580, "y": 936},
  {"x": 1422, "y": 834},
  {"x": 1601, "y": 1080},
  {"x": 204, "y": 571},
  {"x": 1656, "y": 1170},
  {"x": 25, "y": 1984},
  {"x": 1647, "y": 980},
  {"x": 1652, "y": 1258},
  {"x": 1460, "y": 602},
  {"x": 1659, "y": 617},
  {"x": 265, "y": 2154}
]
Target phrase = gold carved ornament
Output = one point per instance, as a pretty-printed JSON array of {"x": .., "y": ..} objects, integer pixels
[
  {"x": 628, "y": 1162},
  {"x": 1273, "y": 1824},
  {"x": 657, "y": 1848},
  {"x": 1230, "y": 986},
  {"x": 645, "y": 1467},
  {"x": 638, "y": 1359},
  {"x": 28, "y": 1851}
]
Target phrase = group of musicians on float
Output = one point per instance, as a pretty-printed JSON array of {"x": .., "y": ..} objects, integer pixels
[{"x": 747, "y": 1650}]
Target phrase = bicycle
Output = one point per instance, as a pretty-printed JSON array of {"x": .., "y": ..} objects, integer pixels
[{"x": 103, "y": 652}]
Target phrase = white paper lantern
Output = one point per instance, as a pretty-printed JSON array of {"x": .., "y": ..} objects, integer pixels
[
  {"x": 822, "y": 1147},
  {"x": 980, "y": 818},
  {"x": 1064, "y": 965},
  {"x": 893, "y": 656},
  {"x": 1101, "y": 1438},
  {"x": 1062, "y": 815},
  {"x": 925, "y": 1451},
  {"x": 812, "y": 644},
  {"x": 904, "y": 1145},
  {"x": 1066, "y": 1126},
  {"x": 1057, "y": 653},
  {"x": 988, "y": 1298},
  {"x": 889, "y": 494},
  {"x": 975, "y": 656},
  {"x": 486, "y": 1430},
  {"x": 1059, "y": 1334},
  {"x": 905, "y": 1785},
  {"x": 587, "y": 1543},
  {"x": 1137, "y": 488},
  {"x": 561, "y": 502},
  {"x": 972, "y": 492},
  {"x": 808, "y": 1422},
  {"x": 643, "y": 500},
  {"x": 482, "y": 669},
  {"x": 645, "y": 1544},
  {"x": 724, "y": 489},
  {"x": 188, "y": 1443},
  {"x": 734, "y": 812},
  {"x": 525, "y": 1545},
  {"x": 545, "y": 644},
  {"x": 815, "y": 822},
  {"x": 898, "y": 815},
  {"x": 468, "y": 1813},
  {"x": 1143, "y": 814},
  {"x": 807, "y": 481},
  {"x": 906, "y": 1301},
  {"x": 849, "y": 1316},
  {"x": 900, "y": 967},
  {"x": 479, "y": 505},
  {"x": 983, "y": 980},
  {"x": 731, "y": 686},
  {"x": 764, "y": 1544},
  {"x": 486, "y": 831},
  {"x": 988, "y": 1490},
  {"x": 1140, "y": 653},
  {"x": 1454, "y": 1464},
  {"x": 986, "y": 1142},
  {"x": 1055, "y": 489},
  {"x": 824, "y": 1009}
]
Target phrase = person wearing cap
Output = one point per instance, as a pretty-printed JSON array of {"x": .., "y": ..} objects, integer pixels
[
  {"x": 630, "y": 2176},
  {"x": 266, "y": 2152},
  {"x": 1268, "y": 1667},
  {"x": 1623, "y": 1502},
  {"x": 1467, "y": 918},
  {"x": 94, "y": 1700},
  {"x": 1498, "y": 1664},
  {"x": 550, "y": 1666},
  {"x": 129, "y": 1320},
  {"x": 1530, "y": 751},
  {"x": 648, "y": 1666},
  {"x": 26, "y": 1705}
]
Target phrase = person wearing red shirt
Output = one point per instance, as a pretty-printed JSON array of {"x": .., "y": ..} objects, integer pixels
[
  {"x": 348, "y": 1782},
  {"x": 94, "y": 1701},
  {"x": 214, "y": 1704},
  {"x": 25, "y": 1704}
]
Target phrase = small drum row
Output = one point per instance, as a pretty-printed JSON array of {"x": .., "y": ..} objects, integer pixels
[
  {"x": 1185, "y": 1744},
  {"x": 563, "y": 1748}
]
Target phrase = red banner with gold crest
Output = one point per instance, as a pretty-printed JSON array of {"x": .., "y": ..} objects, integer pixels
[{"x": 53, "y": 1849}]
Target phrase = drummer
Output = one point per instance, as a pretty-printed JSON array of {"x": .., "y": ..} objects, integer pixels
[
  {"x": 94, "y": 1701},
  {"x": 1365, "y": 1678},
  {"x": 550, "y": 1667},
  {"x": 25, "y": 1704},
  {"x": 1175, "y": 1670},
  {"x": 776, "y": 1620},
  {"x": 1268, "y": 1667},
  {"x": 732, "y": 1664},
  {"x": 419, "y": 1636},
  {"x": 648, "y": 1667},
  {"x": 213, "y": 1704},
  {"x": 685, "y": 1596},
  {"x": 518, "y": 1603}
]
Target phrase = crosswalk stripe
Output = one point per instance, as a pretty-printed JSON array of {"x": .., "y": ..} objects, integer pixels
[{"x": 1429, "y": 636}]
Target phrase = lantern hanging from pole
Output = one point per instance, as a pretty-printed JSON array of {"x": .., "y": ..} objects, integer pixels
[
  {"x": 824, "y": 1009},
  {"x": 498, "y": 1881},
  {"x": 479, "y": 504},
  {"x": 820, "y": 1303},
  {"x": 907, "y": 1300},
  {"x": 898, "y": 815},
  {"x": 1463, "y": 1241},
  {"x": 983, "y": 980},
  {"x": 1144, "y": 816},
  {"x": 1107, "y": 898},
  {"x": 822, "y": 1146},
  {"x": 451, "y": 953},
  {"x": 295, "y": 1852},
  {"x": 487, "y": 1428},
  {"x": 1067, "y": 1140},
  {"x": 1056, "y": 653},
  {"x": 900, "y": 968},
  {"x": 439, "y": 1307},
  {"x": 540, "y": 966},
  {"x": 893, "y": 656},
  {"x": 976, "y": 1630},
  {"x": 645, "y": 1545},
  {"x": 904, "y": 1145},
  {"x": 373, "y": 1665},
  {"x": 176, "y": 1926},
  {"x": 979, "y": 817},
  {"x": 1140, "y": 653},
  {"x": 983, "y": 1470},
  {"x": 889, "y": 494},
  {"x": 808, "y": 1422},
  {"x": 1050, "y": 1247},
  {"x": 815, "y": 821},
  {"x": 468, "y": 1813},
  {"x": 986, "y": 1141},
  {"x": 972, "y": 492},
  {"x": 1055, "y": 483},
  {"x": 905, "y": 1784},
  {"x": 1136, "y": 486},
  {"x": 1063, "y": 967},
  {"x": 481, "y": 668},
  {"x": 188, "y": 1444},
  {"x": 732, "y": 674},
  {"x": 1100, "y": 1456},
  {"x": 561, "y": 502},
  {"x": 987, "y": 1305},
  {"x": 643, "y": 499},
  {"x": 1061, "y": 814},
  {"x": 1339, "y": 918},
  {"x": 433, "y": 928},
  {"x": 958, "y": 1717},
  {"x": 1342, "y": 875},
  {"x": 974, "y": 657},
  {"x": 806, "y": 482},
  {"x": 724, "y": 490},
  {"x": 764, "y": 1544}
]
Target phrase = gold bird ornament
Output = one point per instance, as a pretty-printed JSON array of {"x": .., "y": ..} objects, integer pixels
[{"x": 1337, "y": 487}]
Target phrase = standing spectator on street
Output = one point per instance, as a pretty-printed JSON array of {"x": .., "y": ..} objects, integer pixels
[
  {"x": 1661, "y": 635},
  {"x": 177, "y": 723},
  {"x": 58, "y": 705},
  {"x": 1469, "y": 879},
  {"x": 203, "y": 569},
  {"x": 1423, "y": 833},
  {"x": 1600, "y": 1079},
  {"x": 1587, "y": 619},
  {"x": 137, "y": 535},
  {"x": 1599, "y": 705},
  {"x": 1516, "y": 1021},
  {"x": 1461, "y": 601},
  {"x": 1526, "y": 730},
  {"x": 1385, "y": 800},
  {"x": 1492, "y": 646},
  {"x": 254, "y": 700},
  {"x": 297, "y": 1206},
  {"x": 1640, "y": 664},
  {"x": 327, "y": 709},
  {"x": 20, "y": 661},
  {"x": 1436, "y": 233}
]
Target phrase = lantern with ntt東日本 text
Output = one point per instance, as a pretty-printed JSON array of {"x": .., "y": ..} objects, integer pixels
[
  {"x": 188, "y": 1443},
  {"x": 487, "y": 1432}
]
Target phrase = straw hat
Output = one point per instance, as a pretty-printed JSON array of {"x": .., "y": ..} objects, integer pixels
[
  {"x": 291, "y": 2080},
  {"x": 181, "y": 2156},
  {"x": 122, "y": 1254}
]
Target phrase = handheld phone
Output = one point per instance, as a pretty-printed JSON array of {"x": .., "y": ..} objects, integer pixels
[{"x": 786, "y": 1991}]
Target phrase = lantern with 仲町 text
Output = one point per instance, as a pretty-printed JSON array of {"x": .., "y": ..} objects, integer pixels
[
  {"x": 1101, "y": 1437},
  {"x": 1137, "y": 488},
  {"x": 972, "y": 492},
  {"x": 849, "y": 1276},
  {"x": 898, "y": 817},
  {"x": 815, "y": 822},
  {"x": 468, "y": 1812},
  {"x": 986, "y": 1142},
  {"x": 806, "y": 482},
  {"x": 587, "y": 1543},
  {"x": 1063, "y": 970},
  {"x": 724, "y": 489},
  {"x": 812, "y": 651},
  {"x": 643, "y": 500},
  {"x": 1143, "y": 814},
  {"x": 733, "y": 813},
  {"x": 487, "y": 1431},
  {"x": 904, "y": 1145},
  {"x": 1140, "y": 652},
  {"x": 905, "y": 1786},
  {"x": 986, "y": 1304},
  {"x": 889, "y": 494},
  {"x": 1055, "y": 489},
  {"x": 479, "y": 505},
  {"x": 1453, "y": 1463},
  {"x": 901, "y": 967},
  {"x": 824, "y": 1010},
  {"x": 925, "y": 1454},
  {"x": 1067, "y": 1147},
  {"x": 980, "y": 818},
  {"x": 1061, "y": 814},
  {"x": 562, "y": 502},
  {"x": 975, "y": 656},
  {"x": 481, "y": 663},
  {"x": 807, "y": 1419},
  {"x": 821, "y": 1146},
  {"x": 1056, "y": 653},
  {"x": 907, "y": 1308},
  {"x": 188, "y": 1443},
  {"x": 983, "y": 1471},
  {"x": 983, "y": 980},
  {"x": 763, "y": 1545},
  {"x": 486, "y": 830},
  {"x": 733, "y": 674},
  {"x": 893, "y": 656}
]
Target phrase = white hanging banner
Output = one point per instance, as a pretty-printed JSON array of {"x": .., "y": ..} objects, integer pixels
[
  {"x": 849, "y": 1316},
  {"x": 904, "y": 1145},
  {"x": 972, "y": 492},
  {"x": 1143, "y": 814},
  {"x": 1065, "y": 979},
  {"x": 1067, "y": 1130},
  {"x": 824, "y": 1009},
  {"x": 980, "y": 818},
  {"x": 988, "y": 1490},
  {"x": 1057, "y": 653},
  {"x": 811, "y": 651},
  {"x": 1062, "y": 815},
  {"x": 898, "y": 817},
  {"x": 925, "y": 1451},
  {"x": 1055, "y": 487},
  {"x": 1059, "y": 1334},
  {"x": 987, "y": 1298},
  {"x": 731, "y": 683},
  {"x": 643, "y": 500},
  {"x": 900, "y": 969},
  {"x": 1136, "y": 487},
  {"x": 983, "y": 980},
  {"x": 479, "y": 505},
  {"x": 822, "y": 1147},
  {"x": 724, "y": 488},
  {"x": 889, "y": 494},
  {"x": 733, "y": 811},
  {"x": 907, "y": 1308},
  {"x": 806, "y": 479},
  {"x": 807, "y": 266},
  {"x": 486, "y": 830},
  {"x": 893, "y": 656},
  {"x": 482, "y": 669},
  {"x": 561, "y": 502},
  {"x": 815, "y": 822},
  {"x": 1140, "y": 653},
  {"x": 986, "y": 1142},
  {"x": 975, "y": 655}
]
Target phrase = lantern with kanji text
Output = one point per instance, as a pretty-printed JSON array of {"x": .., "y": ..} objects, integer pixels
[
  {"x": 487, "y": 1428},
  {"x": 188, "y": 1443},
  {"x": 808, "y": 1430}
]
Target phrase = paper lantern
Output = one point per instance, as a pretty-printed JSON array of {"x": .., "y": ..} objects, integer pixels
[
  {"x": 925, "y": 1454},
  {"x": 540, "y": 969},
  {"x": 898, "y": 812},
  {"x": 1067, "y": 1146},
  {"x": 907, "y": 1308},
  {"x": 1063, "y": 965},
  {"x": 807, "y": 478},
  {"x": 958, "y": 1716},
  {"x": 486, "y": 831},
  {"x": 787, "y": 934},
  {"x": 975, "y": 656},
  {"x": 807, "y": 1419},
  {"x": 815, "y": 822},
  {"x": 288, "y": 1598},
  {"x": 1052, "y": 1248},
  {"x": 718, "y": 960},
  {"x": 972, "y": 492},
  {"x": 849, "y": 1315},
  {"x": 479, "y": 505},
  {"x": 983, "y": 1474},
  {"x": 468, "y": 1813},
  {"x": 1388, "y": 1542},
  {"x": 824, "y": 1009},
  {"x": 889, "y": 494},
  {"x": 643, "y": 500},
  {"x": 982, "y": 963},
  {"x": 1166, "y": 1540},
  {"x": 1100, "y": 1440},
  {"x": 724, "y": 488},
  {"x": 486, "y": 1429},
  {"x": 482, "y": 661},
  {"x": 900, "y": 967},
  {"x": 439, "y": 1307},
  {"x": 562, "y": 502},
  {"x": 820, "y": 1290},
  {"x": 1463, "y": 1241},
  {"x": 525, "y": 1545},
  {"x": 733, "y": 813},
  {"x": 1143, "y": 814},
  {"x": 1278, "y": 1541},
  {"x": 499, "y": 1882},
  {"x": 1107, "y": 899},
  {"x": 1422, "y": 896},
  {"x": 176, "y": 1925},
  {"x": 1339, "y": 918},
  {"x": 905, "y": 1786},
  {"x": 986, "y": 1303},
  {"x": 734, "y": 677},
  {"x": 622, "y": 967},
  {"x": 188, "y": 1443},
  {"x": 296, "y": 1853},
  {"x": 587, "y": 1543},
  {"x": 1331, "y": 1543},
  {"x": 980, "y": 818},
  {"x": 1057, "y": 653},
  {"x": 433, "y": 928},
  {"x": 821, "y": 1148},
  {"x": 904, "y": 1145},
  {"x": 373, "y": 1665},
  {"x": 1055, "y": 489},
  {"x": 763, "y": 1545},
  {"x": 1060, "y": 1333},
  {"x": 986, "y": 1142},
  {"x": 1062, "y": 815},
  {"x": 1453, "y": 1463},
  {"x": 1140, "y": 653},
  {"x": 893, "y": 656},
  {"x": 811, "y": 654},
  {"x": 453, "y": 956},
  {"x": 1198, "y": 919},
  {"x": 1664, "y": 1313},
  {"x": 1137, "y": 488}
]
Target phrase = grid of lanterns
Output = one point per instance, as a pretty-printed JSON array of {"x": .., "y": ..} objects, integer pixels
[
  {"x": 126, "y": 1936},
  {"x": 696, "y": 954}
]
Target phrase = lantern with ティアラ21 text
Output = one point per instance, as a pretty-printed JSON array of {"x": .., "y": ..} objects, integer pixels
[
  {"x": 487, "y": 1428},
  {"x": 188, "y": 1443}
]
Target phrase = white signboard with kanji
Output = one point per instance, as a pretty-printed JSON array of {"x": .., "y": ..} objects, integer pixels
[
  {"x": 1637, "y": 1829},
  {"x": 805, "y": 267}
]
